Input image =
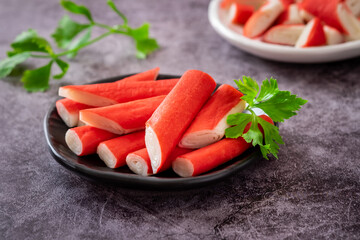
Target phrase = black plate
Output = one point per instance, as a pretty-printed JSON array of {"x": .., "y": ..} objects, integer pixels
[{"x": 91, "y": 167}]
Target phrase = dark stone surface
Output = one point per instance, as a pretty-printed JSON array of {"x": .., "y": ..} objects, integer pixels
[{"x": 311, "y": 192}]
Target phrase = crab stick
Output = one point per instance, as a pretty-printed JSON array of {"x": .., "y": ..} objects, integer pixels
[
  {"x": 84, "y": 140},
  {"x": 210, "y": 123},
  {"x": 122, "y": 118},
  {"x": 325, "y": 10},
  {"x": 105, "y": 94},
  {"x": 68, "y": 110},
  {"x": 170, "y": 120},
  {"x": 312, "y": 35},
  {"x": 333, "y": 36},
  {"x": 211, "y": 156},
  {"x": 286, "y": 3},
  {"x": 149, "y": 75},
  {"x": 139, "y": 161},
  {"x": 239, "y": 14},
  {"x": 336, "y": 14},
  {"x": 284, "y": 34},
  {"x": 256, "y": 4},
  {"x": 354, "y": 6},
  {"x": 114, "y": 151},
  {"x": 349, "y": 22},
  {"x": 263, "y": 18},
  {"x": 290, "y": 16}
]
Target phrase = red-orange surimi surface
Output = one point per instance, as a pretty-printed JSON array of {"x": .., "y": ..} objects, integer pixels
[
  {"x": 313, "y": 35},
  {"x": 149, "y": 75},
  {"x": 254, "y": 3},
  {"x": 68, "y": 110},
  {"x": 123, "y": 117},
  {"x": 325, "y": 10},
  {"x": 211, "y": 120},
  {"x": 104, "y": 94},
  {"x": 291, "y": 15},
  {"x": 240, "y": 13},
  {"x": 72, "y": 106},
  {"x": 84, "y": 140},
  {"x": 170, "y": 120},
  {"x": 113, "y": 152},
  {"x": 209, "y": 157},
  {"x": 263, "y": 18},
  {"x": 144, "y": 167}
]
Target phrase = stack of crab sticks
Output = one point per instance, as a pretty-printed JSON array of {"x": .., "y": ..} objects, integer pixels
[
  {"x": 152, "y": 126},
  {"x": 298, "y": 23}
]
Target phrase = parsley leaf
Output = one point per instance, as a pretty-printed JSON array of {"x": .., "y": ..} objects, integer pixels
[
  {"x": 71, "y": 36},
  {"x": 140, "y": 33},
  {"x": 67, "y": 29},
  {"x": 37, "y": 79},
  {"x": 239, "y": 122},
  {"x": 254, "y": 134},
  {"x": 8, "y": 64},
  {"x": 77, "y": 9},
  {"x": 29, "y": 41},
  {"x": 271, "y": 137},
  {"x": 249, "y": 88},
  {"x": 281, "y": 106},
  {"x": 78, "y": 42},
  {"x": 268, "y": 89},
  {"x": 278, "y": 105},
  {"x": 145, "y": 47},
  {"x": 113, "y": 7},
  {"x": 64, "y": 66}
]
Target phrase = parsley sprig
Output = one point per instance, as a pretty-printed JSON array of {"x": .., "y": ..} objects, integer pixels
[
  {"x": 278, "y": 105},
  {"x": 71, "y": 36}
]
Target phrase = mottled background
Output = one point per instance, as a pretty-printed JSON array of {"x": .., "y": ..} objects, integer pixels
[{"x": 311, "y": 192}]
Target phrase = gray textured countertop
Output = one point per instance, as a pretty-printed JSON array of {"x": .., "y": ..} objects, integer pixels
[{"x": 311, "y": 192}]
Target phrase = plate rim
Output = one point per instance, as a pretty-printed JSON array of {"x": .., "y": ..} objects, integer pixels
[
  {"x": 142, "y": 182},
  {"x": 306, "y": 55}
]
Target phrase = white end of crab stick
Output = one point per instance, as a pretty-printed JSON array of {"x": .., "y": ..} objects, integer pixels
[
  {"x": 290, "y": 16},
  {"x": 210, "y": 123},
  {"x": 209, "y": 157},
  {"x": 85, "y": 97},
  {"x": 354, "y": 6},
  {"x": 349, "y": 22},
  {"x": 283, "y": 34},
  {"x": 312, "y": 35},
  {"x": 114, "y": 151},
  {"x": 263, "y": 18},
  {"x": 139, "y": 161},
  {"x": 122, "y": 118},
  {"x": 84, "y": 140},
  {"x": 174, "y": 115},
  {"x": 239, "y": 14},
  {"x": 68, "y": 110},
  {"x": 333, "y": 36}
]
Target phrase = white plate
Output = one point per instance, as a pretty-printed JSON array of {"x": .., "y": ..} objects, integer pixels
[{"x": 233, "y": 34}]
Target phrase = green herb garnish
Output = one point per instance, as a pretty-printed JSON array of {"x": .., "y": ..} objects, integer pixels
[
  {"x": 70, "y": 36},
  {"x": 278, "y": 105}
]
